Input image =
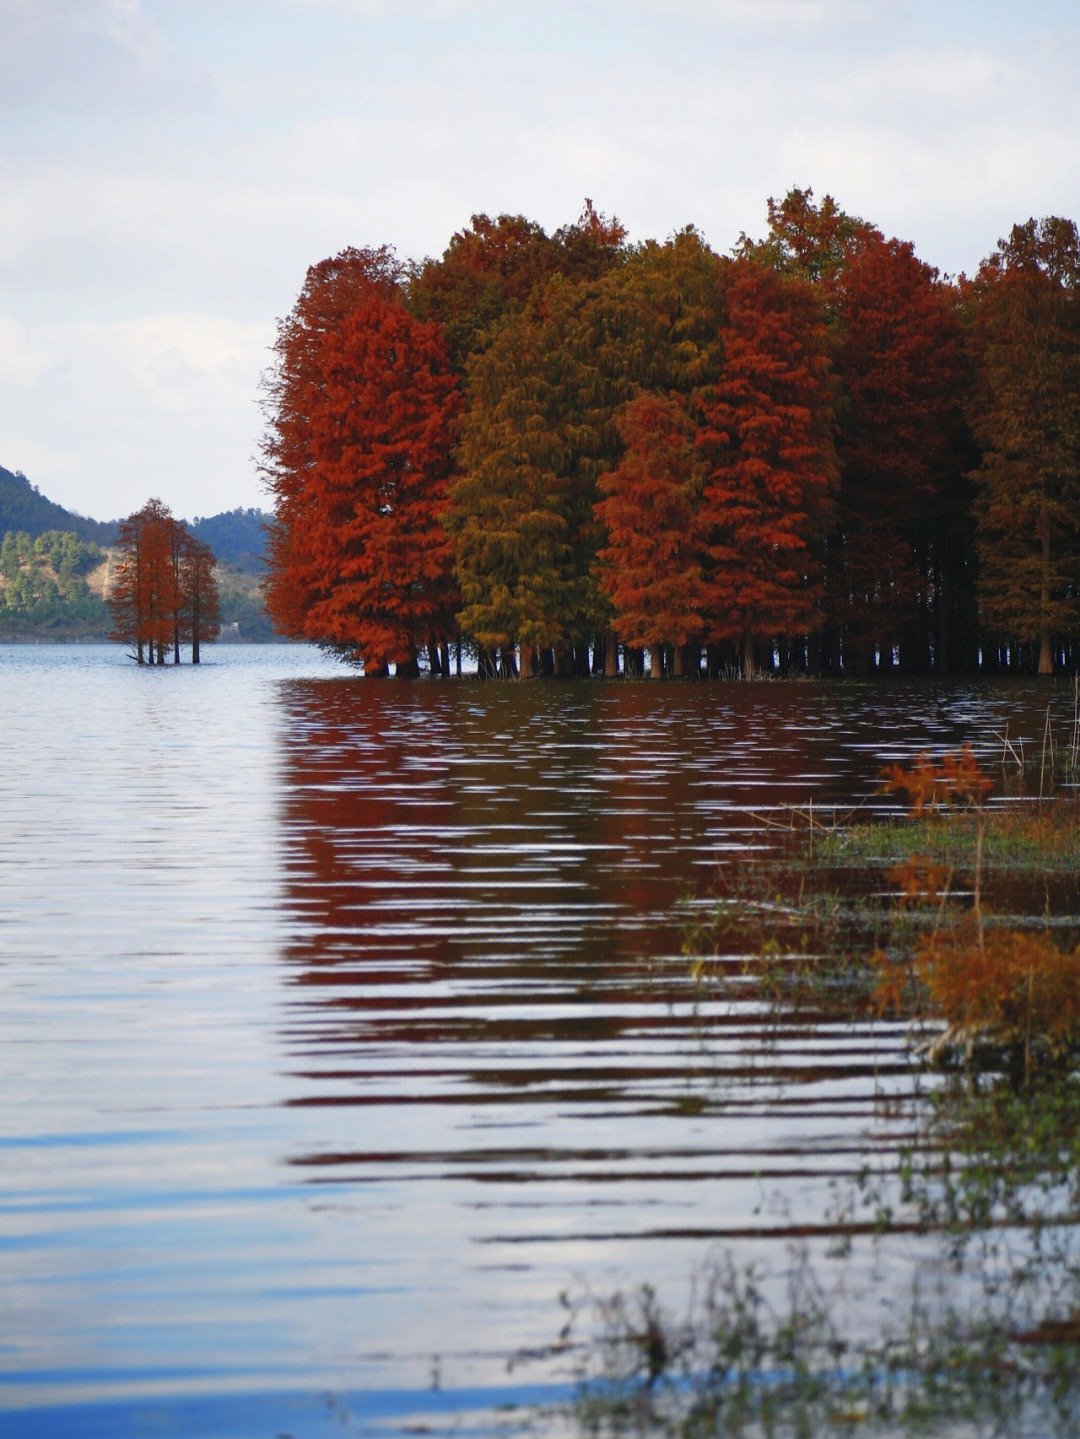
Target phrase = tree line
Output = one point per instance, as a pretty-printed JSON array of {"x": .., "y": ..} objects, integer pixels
[
  {"x": 163, "y": 591},
  {"x": 569, "y": 453}
]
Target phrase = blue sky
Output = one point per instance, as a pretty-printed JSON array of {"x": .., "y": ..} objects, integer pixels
[{"x": 169, "y": 169}]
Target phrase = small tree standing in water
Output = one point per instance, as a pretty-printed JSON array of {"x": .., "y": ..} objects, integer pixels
[
  {"x": 200, "y": 594},
  {"x": 164, "y": 592}
]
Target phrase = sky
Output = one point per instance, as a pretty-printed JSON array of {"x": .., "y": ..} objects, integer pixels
[{"x": 170, "y": 168}]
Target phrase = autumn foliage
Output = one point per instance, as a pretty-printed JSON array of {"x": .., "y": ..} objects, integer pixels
[
  {"x": 358, "y": 461},
  {"x": 767, "y": 438},
  {"x": 954, "y": 779},
  {"x": 653, "y": 565},
  {"x": 1005, "y": 994},
  {"x": 1025, "y": 409},
  {"x": 816, "y": 454},
  {"x": 163, "y": 593}
]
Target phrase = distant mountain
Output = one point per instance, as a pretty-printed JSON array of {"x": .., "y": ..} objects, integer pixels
[
  {"x": 237, "y": 538},
  {"x": 23, "y": 508}
]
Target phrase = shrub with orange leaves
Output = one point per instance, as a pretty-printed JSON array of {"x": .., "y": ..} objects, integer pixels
[
  {"x": 1003, "y": 994},
  {"x": 1004, "y": 990},
  {"x": 921, "y": 878},
  {"x": 957, "y": 780}
]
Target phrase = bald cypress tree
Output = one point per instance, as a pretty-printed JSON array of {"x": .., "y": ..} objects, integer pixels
[{"x": 1025, "y": 411}]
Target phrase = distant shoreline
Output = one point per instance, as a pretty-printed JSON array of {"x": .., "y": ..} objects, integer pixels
[{"x": 98, "y": 639}]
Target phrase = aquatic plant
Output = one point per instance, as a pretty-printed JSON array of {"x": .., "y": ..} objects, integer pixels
[
  {"x": 762, "y": 1353},
  {"x": 1005, "y": 996},
  {"x": 989, "y": 1172}
]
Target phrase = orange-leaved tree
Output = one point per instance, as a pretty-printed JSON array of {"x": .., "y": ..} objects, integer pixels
[
  {"x": 164, "y": 592},
  {"x": 201, "y": 611},
  {"x": 1025, "y": 411},
  {"x": 898, "y": 362},
  {"x": 362, "y": 414},
  {"x": 766, "y": 437},
  {"x": 651, "y": 568},
  {"x": 490, "y": 269}
]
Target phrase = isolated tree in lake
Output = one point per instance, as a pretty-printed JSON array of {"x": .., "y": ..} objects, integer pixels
[
  {"x": 363, "y": 407},
  {"x": 766, "y": 439},
  {"x": 163, "y": 591},
  {"x": 201, "y": 607},
  {"x": 141, "y": 598},
  {"x": 1025, "y": 411}
]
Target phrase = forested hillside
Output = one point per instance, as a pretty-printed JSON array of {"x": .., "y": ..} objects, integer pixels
[
  {"x": 45, "y": 586},
  {"x": 23, "y": 508},
  {"x": 237, "y": 537},
  {"x": 55, "y": 568}
]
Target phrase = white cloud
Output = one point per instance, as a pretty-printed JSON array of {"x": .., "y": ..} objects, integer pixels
[
  {"x": 22, "y": 362},
  {"x": 167, "y": 405},
  {"x": 76, "y": 55},
  {"x": 225, "y": 145}
]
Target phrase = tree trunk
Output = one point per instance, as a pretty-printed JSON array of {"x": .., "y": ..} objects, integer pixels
[
  {"x": 748, "y": 656},
  {"x": 527, "y": 663},
  {"x": 611, "y": 655},
  {"x": 1046, "y": 657},
  {"x": 656, "y": 662}
]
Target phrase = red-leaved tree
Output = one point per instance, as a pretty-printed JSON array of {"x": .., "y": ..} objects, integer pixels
[
  {"x": 766, "y": 436},
  {"x": 1025, "y": 410},
  {"x": 651, "y": 568},
  {"x": 163, "y": 593},
  {"x": 363, "y": 408},
  {"x": 898, "y": 361}
]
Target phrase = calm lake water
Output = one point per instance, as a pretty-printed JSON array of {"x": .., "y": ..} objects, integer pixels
[{"x": 345, "y": 1023}]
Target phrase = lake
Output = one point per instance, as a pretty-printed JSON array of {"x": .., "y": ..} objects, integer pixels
[{"x": 346, "y": 1023}]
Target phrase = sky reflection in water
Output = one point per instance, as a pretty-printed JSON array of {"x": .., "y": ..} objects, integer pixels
[{"x": 344, "y": 1023}]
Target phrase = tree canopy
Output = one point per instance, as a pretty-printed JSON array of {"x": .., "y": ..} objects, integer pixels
[{"x": 815, "y": 453}]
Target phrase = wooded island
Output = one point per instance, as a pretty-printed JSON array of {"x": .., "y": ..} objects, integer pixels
[{"x": 564, "y": 452}]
